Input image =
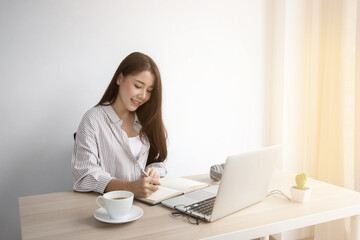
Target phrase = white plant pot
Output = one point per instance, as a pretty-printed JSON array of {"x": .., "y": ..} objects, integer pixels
[{"x": 298, "y": 195}]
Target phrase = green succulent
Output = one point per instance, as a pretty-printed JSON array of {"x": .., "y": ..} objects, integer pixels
[{"x": 300, "y": 181}]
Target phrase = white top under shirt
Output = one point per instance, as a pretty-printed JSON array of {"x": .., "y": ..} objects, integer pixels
[{"x": 135, "y": 146}]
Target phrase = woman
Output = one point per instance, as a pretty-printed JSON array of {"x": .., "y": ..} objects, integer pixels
[{"x": 124, "y": 133}]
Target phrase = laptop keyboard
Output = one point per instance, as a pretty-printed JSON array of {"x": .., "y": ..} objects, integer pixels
[{"x": 204, "y": 207}]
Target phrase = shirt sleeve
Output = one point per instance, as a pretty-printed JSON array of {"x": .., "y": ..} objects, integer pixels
[
  {"x": 159, "y": 167},
  {"x": 216, "y": 172},
  {"x": 87, "y": 172}
]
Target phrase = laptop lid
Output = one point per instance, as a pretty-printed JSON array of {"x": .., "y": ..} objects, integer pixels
[{"x": 245, "y": 180}]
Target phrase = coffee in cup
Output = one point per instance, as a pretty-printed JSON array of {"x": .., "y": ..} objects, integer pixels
[{"x": 117, "y": 204}]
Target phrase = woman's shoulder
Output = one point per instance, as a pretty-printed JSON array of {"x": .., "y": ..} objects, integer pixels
[
  {"x": 93, "y": 112},
  {"x": 91, "y": 121},
  {"x": 93, "y": 115}
]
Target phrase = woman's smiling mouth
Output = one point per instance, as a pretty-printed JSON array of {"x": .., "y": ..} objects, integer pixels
[{"x": 136, "y": 103}]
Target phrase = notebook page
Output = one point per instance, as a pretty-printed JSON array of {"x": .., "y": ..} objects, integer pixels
[
  {"x": 162, "y": 193},
  {"x": 181, "y": 184}
]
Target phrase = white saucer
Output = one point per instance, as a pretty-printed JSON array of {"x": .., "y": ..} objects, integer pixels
[{"x": 102, "y": 215}]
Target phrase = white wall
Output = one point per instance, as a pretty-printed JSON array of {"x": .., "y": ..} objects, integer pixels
[{"x": 57, "y": 58}]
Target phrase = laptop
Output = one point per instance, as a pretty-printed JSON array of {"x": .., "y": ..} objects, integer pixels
[{"x": 245, "y": 181}]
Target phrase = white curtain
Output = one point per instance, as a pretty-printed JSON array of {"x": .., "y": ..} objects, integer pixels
[
  {"x": 319, "y": 88},
  {"x": 318, "y": 73}
]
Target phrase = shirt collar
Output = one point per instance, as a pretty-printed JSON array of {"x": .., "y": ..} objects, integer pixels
[
  {"x": 114, "y": 117},
  {"x": 110, "y": 112},
  {"x": 136, "y": 119}
]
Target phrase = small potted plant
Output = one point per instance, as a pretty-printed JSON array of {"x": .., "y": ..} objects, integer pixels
[{"x": 300, "y": 193}]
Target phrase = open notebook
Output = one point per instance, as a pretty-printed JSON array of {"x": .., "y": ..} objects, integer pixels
[{"x": 171, "y": 187}]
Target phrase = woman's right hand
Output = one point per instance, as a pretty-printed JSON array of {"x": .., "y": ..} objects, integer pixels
[{"x": 144, "y": 187}]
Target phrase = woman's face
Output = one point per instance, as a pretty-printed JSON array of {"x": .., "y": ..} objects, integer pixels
[{"x": 135, "y": 90}]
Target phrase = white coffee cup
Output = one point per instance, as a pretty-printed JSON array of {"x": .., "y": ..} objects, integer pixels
[{"x": 117, "y": 204}]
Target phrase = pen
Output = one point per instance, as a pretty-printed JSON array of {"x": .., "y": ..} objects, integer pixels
[
  {"x": 144, "y": 173},
  {"x": 147, "y": 175}
]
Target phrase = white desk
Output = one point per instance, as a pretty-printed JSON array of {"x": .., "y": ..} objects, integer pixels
[{"x": 69, "y": 215}]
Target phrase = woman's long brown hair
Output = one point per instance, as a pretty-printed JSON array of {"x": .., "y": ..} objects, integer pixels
[{"x": 149, "y": 114}]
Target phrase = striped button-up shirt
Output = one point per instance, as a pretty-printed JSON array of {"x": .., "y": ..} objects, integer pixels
[{"x": 102, "y": 152}]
